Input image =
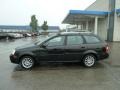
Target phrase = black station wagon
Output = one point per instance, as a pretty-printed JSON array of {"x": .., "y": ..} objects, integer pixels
[{"x": 86, "y": 48}]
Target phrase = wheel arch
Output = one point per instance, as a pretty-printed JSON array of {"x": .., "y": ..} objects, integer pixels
[
  {"x": 92, "y": 53},
  {"x": 30, "y": 55}
]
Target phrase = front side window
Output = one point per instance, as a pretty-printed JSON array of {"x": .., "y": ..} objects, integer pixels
[
  {"x": 74, "y": 40},
  {"x": 91, "y": 39},
  {"x": 57, "y": 41}
]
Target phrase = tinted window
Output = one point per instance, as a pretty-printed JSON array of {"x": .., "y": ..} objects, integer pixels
[
  {"x": 74, "y": 40},
  {"x": 91, "y": 39},
  {"x": 57, "y": 41}
]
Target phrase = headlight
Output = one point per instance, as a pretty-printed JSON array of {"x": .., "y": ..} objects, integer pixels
[{"x": 13, "y": 52}]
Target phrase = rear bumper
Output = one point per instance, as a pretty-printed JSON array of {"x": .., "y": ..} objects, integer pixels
[
  {"x": 104, "y": 56},
  {"x": 14, "y": 59}
]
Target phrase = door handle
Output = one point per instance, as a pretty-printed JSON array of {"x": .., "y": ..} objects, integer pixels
[
  {"x": 55, "y": 49},
  {"x": 97, "y": 48},
  {"x": 82, "y": 47}
]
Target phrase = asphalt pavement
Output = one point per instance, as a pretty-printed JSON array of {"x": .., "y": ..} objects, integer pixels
[{"x": 105, "y": 75}]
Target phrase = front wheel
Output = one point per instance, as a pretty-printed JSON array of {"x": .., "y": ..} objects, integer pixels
[
  {"x": 89, "y": 60},
  {"x": 27, "y": 62}
]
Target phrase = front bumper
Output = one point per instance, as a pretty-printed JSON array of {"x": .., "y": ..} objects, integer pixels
[{"x": 14, "y": 59}]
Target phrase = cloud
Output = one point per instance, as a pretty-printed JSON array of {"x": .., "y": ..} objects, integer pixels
[{"x": 18, "y": 12}]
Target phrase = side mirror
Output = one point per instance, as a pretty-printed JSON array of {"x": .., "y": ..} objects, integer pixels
[{"x": 43, "y": 46}]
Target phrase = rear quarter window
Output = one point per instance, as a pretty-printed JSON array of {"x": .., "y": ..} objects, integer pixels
[{"x": 92, "y": 39}]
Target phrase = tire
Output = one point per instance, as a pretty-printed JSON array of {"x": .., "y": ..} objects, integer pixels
[
  {"x": 89, "y": 60},
  {"x": 27, "y": 62}
]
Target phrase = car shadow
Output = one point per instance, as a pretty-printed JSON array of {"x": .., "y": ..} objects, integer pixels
[{"x": 59, "y": 66}]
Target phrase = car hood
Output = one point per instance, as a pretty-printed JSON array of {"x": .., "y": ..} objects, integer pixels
[{"x": 27, "y": 46}]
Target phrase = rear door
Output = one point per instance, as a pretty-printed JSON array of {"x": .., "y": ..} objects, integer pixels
[{"x": 74, "y": 48}]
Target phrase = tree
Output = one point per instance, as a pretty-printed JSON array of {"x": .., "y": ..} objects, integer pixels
[
  {"x": 34, "y": 23},
  {"x": 44, "y": 26}
]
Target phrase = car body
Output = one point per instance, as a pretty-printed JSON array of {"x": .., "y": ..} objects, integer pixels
[{"x": 65, "y": 47}]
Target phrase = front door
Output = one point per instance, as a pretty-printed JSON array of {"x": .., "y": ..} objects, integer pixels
[{"x": 54, "y": 49}]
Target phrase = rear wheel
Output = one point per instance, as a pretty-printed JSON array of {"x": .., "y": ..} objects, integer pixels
[
  {"x": 27, "y": 62},
  {"x": 89, "y": 60}
]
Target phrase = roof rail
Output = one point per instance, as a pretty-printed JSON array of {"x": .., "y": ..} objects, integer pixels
[{"x": 82, "y": 32}]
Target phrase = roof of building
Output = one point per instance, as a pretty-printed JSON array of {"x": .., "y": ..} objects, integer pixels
[
  {"x": 8, "y": 27},
  {"x": 78, "y": 16},
  {"x": 86, "y": 12}
]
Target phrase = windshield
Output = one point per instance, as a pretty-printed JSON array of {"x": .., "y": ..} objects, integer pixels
[{"x": 42, "y": 40}]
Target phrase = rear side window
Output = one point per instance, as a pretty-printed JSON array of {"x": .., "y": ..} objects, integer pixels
[
  {"x": 91, "y": 39},
  {"x": 74, "y": 40}
]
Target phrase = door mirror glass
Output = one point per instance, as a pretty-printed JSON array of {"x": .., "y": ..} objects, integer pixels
[{"x": 43, "y": 46}]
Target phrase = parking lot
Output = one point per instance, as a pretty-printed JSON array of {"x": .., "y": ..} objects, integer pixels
[{"x": 105, "y": 75}]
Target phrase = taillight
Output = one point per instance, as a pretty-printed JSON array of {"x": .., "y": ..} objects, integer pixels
[{"x": 106, "y": 49}]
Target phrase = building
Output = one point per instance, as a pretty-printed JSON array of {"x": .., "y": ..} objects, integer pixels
[
  {"x": 51, "y": 29},
  {"x": 101, "y": 18},
  {"x": 7, "y": 28},
  {"x": 26, "y": 29}
]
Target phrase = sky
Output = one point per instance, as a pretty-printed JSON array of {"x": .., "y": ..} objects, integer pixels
[{"x": 18, "y": 12}]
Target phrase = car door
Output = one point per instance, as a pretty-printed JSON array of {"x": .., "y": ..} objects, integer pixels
[
  {"x": 74, "y": 48},
  {"x": 53, "y": 49}
]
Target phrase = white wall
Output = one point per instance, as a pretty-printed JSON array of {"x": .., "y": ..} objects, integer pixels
[
  {"x": 117, "y": 4},
  {"x": 103, "y": 5},
  {"x": 99, "y": 5},
  {"x": 91, "y": 26},
  {"x": 116, "y": 35},
  {"x": 103, "y": 27}
]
